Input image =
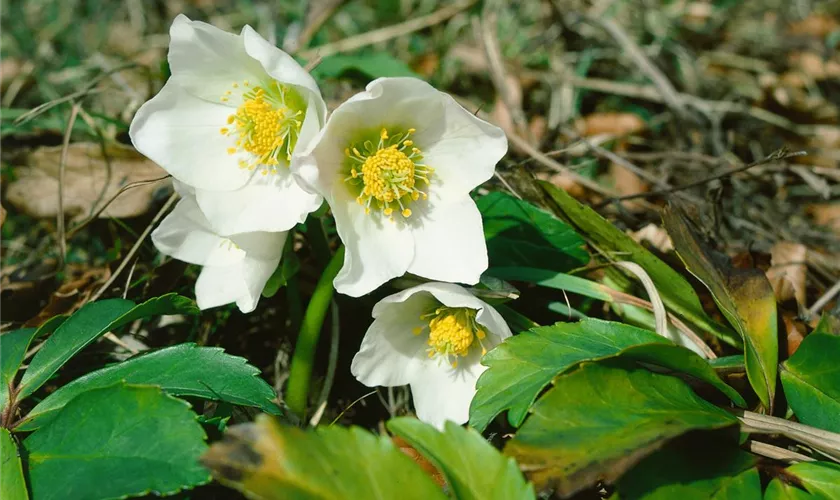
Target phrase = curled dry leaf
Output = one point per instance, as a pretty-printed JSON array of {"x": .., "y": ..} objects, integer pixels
[
  {"x": 73, "y": 294},
  {"x": 91, "y": 179},
  {"x": 794, "y": 332},
  {"x": 655, "y": 236},
  {"x": 609, "y": 124},
  {"x": 788, "y": 271}
]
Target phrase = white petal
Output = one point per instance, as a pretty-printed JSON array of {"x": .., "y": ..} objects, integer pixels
[
  {"x": 283, "y": 68},
  {"x": 273, "y": 202},
  {"x": 467, "y": 151},
  {"x": 206, "y": 61},
  {"x": 391, "y": 355},
  {"x": 185, "y": 235},
  {"x": 180, "y": 132},
  {"x": 377, "y": 250},
  {"x": 217, "y": 286},
  {"x": 449, "y": 241},
  {"x": 444, "y": 393}
]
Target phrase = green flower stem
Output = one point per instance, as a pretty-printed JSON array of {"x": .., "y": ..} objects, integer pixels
[{"x": 300, "y": 373}]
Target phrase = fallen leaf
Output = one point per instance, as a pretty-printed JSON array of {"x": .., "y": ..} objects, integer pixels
[
  {"x": 813, "y": 65},
  {"x": 815, "y": 25},
  {"x": 826, "y": 214},
  {"x": 2, "y": 215},
  {"x": 89, "y": 182},
  {"x": 788, "y": 271},
  {"x": 626, "y": 182},
  {"x": 73, "y": 294},
  {"x": 420, "y": 460},
  {"x": 609, "y": 123},
  {"x": 794, "y": 332}
]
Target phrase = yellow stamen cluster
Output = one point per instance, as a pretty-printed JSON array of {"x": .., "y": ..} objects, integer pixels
[
  {"x": 263, "y": 125},
  {"x": 452, "y": 332},
  {"x": 387, "y": 173}
]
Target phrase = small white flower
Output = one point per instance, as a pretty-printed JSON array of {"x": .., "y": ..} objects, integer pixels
[
  {"x": 227, "y": 123},
  {"x": 236, "y": 268},
  {"x": 396, "y": 163},
  {"x": 432, "y": 337}
]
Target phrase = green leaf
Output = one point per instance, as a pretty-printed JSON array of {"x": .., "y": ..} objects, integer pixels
[
  {"x": 821, "y": 479},
  {"x": 718, "y": 471},
  {"x": 520, "y": 234},
  {"x": 372, "y": 64},
  {"x": 829, "y": 324},
  {"x": 553, "y": 279},
  {"x": 744, "y": 296},
  {"x": 88, "y": 324},
  {"x": 114, "y": 442},
  {"x": 12, "y": 482},
  {"x": 269, "y": 461},
  {"x": 598, "y": 421},
  {"x": 676, "y": 292},
  {"x": 520, "y": 367},
  {"x": 473, "y": 468},
  {"x": 14, "y": 345},
  {"x": 778, "y": 490},
  {"x": 181, "y": 370},
  {"x": 811, "y": 380}
]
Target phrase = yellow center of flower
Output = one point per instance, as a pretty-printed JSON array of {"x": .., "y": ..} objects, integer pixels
[
  {"x": 452, "y": 332},
  {"x": 386, "y": 173},
  {"x": 265, "y": 125}
]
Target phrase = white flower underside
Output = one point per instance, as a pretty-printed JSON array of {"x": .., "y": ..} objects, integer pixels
[
  {"x": 432, "y": 230},
  {"x": 235, "y": 269},
  {"x": 396, "y": 350},
  {"x": 227, "y": 124}
]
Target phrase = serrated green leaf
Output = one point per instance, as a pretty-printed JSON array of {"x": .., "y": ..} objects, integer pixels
[
  {"x": 697, "y": 470},
  {"x": 598, "y": 421},
  {"x": 744, "y": 296},
  {"x": 269, "y": 461},
  {"x": 181, "y": 370},
  {"x": 520, "y": 234},
  {"x": 473, "y": 468},
  {"x": 12, "y": 482},
  {"x": 811, "y": 381},
  {"x": 676, "y": 292},
  {"x": 14, "y": 345},
  {"x": 114, "y": 442},
  {"x": 521, "y": 366},
  {"x": 89, "y": 323},
  {"x": 373, "y": 64}
]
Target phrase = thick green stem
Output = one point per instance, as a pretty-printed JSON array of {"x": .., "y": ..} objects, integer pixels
[{"x": 300, "y": 372}]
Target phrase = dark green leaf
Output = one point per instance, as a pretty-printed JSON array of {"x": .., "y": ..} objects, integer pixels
[
  {"x": 744, "y": 296},
  {"x": 520, "y": 234},
  {"x": 553, "y": 279},
  {"x": 270, "y": 461},
  {"x": 598, "y": 421},
  {"x": 821, "y": 479},
  {"x": 811, "y": 380},
  {"x": 181, "y": 370},
  {"x": 473, "y": 468},
  {"x": 117, "y": 441},
  {"x": 779, "y": 490},
  {"x": 288, "y": 267},
  {"x": 12, "y": 482},
  {"x": 716, "y": 470},
  {"x": 14, "y": 345},
  {"x": 88, "y": 324},
  {"x": 676, "y": 292},
  {"x": 372, "y": 64},
  {"x": 521, "y": 366}
]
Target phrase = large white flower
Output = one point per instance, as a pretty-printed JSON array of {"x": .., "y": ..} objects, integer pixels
[
  {"x": 396, "y": 163},
  {"x": 227, "y": 124},
  {"x": 431, "y": 337},
  {"x": 236, "y": 268}
]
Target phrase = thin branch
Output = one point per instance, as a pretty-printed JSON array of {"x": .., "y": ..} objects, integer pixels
[
  {"x": 777, "y": 453},
  {"x": 826, "y": 442}
]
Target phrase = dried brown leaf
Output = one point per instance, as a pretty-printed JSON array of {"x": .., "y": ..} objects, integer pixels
[
  {"x": 73, "y": 294},
  {"x": 815, "y": 25},
  {"x": 826, "y": 214},
  {"x": 420, "y": 460},
  {"x": 788, "y": 271},
  {"x": 90, "y": 181},
  {"x": 609, "y": 123},
  {"x": 656, "y": 236}
]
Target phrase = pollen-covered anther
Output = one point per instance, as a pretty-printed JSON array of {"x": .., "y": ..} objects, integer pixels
[
  {"x": 388, "y": 171},
  {"x": 453, "y": 331},
  {"x": 264, "y": 126}
]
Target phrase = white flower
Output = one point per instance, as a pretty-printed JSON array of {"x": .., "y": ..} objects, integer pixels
[
  {"x": 432, "y": 337},
  {"x": 396, "y": 164},
  {"x": 236, "y": 268},
  {"x": 227, "y": 123}
]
